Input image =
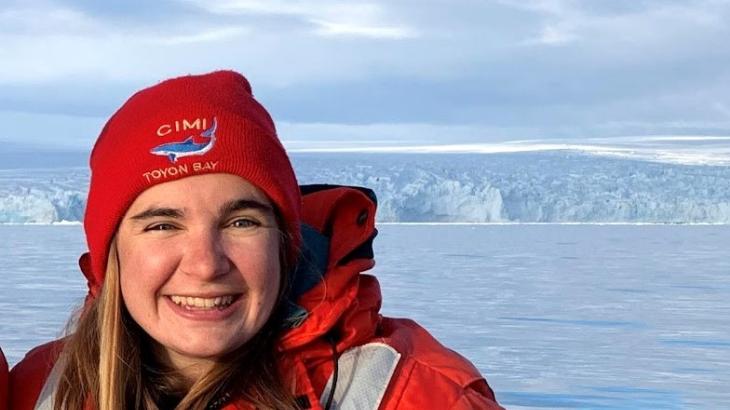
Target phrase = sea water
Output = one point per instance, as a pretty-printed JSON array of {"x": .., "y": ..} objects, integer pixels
[{"x": 555, "y": 316}]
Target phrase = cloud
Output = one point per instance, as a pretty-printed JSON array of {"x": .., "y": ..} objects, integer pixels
[
  {"x": 43, "y": 21},
  {"x": 552, "y": 36},
  {"x": 208, "y": 36},
  {"x": 622, "y": 26},
  {"x": 42, "y": 45},
  {"x": 552, "y": 67},
  {"x": 343, "y": 29},
  {"x": 312, "y": 8},
  {"x": 134, "y": 51},
  {"x": 328, "y": 18}
]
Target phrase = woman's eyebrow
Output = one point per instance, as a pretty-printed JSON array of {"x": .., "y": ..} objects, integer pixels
[
  {"x": 158, "y": 212},
  {"x": 243, "y": 204}
]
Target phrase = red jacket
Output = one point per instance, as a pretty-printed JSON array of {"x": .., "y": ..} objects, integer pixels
[
  {"x": 382, "y": 362},
  {"x": 3, "y": 381}
]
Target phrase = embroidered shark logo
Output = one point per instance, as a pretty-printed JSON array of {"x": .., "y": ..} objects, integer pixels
[{"x": 188, "y": 147}]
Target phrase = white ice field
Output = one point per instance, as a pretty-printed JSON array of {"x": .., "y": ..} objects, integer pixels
[{"x": 593, "y": 315}]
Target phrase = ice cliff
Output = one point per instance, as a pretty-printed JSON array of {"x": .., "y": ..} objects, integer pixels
[{"x": 515, "y": 187}]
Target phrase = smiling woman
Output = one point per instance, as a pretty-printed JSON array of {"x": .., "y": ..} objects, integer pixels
[
  {"x": 200, "y": 254},
  {"x": 223, "y": 284}
]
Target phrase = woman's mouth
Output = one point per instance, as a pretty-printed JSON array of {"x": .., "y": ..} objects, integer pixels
[{"x": 201, "y": 303}]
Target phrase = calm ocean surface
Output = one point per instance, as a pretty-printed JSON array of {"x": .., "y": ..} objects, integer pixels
[{"x": 556, "y": 316}]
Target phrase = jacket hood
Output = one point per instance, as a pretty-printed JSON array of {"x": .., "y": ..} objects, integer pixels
[{"x": 328, "y": 295}]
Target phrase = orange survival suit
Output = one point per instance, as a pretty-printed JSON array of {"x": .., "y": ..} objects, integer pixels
[{"x": 341, "y": 351}]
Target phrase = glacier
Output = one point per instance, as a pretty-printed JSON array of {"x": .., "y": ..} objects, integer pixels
[
  {"x": 515, "y": 187},
  {"x": 43, "y": 195}
]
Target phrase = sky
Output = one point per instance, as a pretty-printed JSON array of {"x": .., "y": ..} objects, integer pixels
[{"x": 378, "y": 72}]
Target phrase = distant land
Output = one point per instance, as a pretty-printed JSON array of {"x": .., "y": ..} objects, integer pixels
[{"x": 15, "y": 155}]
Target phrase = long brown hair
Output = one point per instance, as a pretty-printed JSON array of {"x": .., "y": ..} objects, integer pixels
[{"x": 109, "y": 360}]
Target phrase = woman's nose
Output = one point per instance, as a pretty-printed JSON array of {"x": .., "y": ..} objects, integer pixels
[{"x": 205, "y": 256}]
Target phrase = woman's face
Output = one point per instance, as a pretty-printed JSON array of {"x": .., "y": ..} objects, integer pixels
[{"x": 199, "y": 264}]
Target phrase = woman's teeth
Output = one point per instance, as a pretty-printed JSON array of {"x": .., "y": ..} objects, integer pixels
[{"x": 189, "y": 302}]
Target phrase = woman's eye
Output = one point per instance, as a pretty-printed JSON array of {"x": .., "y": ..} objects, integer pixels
[
  {"x": 244, "y": 223},
  {"x": 160, "y": 227}
]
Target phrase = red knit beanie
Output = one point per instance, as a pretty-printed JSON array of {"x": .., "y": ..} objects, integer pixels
[{"x": 184, "y": 126}]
